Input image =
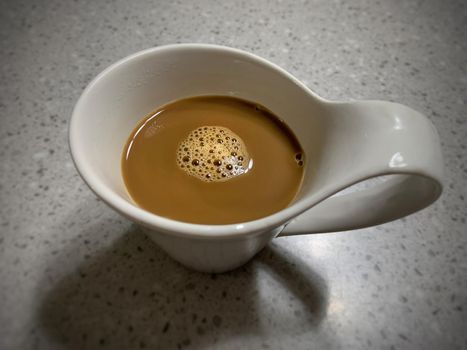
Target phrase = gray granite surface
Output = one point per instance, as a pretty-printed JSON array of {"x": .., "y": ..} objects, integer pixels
[{"x": 75, "y": 275}]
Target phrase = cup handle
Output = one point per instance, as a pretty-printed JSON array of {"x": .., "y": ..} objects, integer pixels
[{"x": 372, "y": 138}]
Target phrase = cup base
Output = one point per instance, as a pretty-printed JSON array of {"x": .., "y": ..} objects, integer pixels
[{"x": 212, "y": 256}]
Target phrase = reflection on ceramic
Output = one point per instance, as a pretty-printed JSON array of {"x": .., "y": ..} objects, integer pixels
[{"x": 345, "y": 143}]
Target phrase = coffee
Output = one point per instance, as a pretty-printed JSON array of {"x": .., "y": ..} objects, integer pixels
[{"x": 212, "y": 160}]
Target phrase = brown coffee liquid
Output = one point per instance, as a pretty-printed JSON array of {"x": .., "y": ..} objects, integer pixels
[{"x": 212, "y": 160}]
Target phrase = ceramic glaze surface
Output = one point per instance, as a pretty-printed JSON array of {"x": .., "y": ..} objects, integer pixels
[{"x": 345, "y": 143}]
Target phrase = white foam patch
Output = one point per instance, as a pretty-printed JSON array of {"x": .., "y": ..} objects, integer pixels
[{"x": 213, "y": 154}]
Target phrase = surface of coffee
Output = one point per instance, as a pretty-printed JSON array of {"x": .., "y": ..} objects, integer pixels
[{"x": 212, "y": 160}]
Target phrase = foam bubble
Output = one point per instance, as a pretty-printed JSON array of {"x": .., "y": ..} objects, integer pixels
[{"x": 213, "y": 145}]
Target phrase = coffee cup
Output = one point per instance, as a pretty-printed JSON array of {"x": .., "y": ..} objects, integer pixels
[{"x": 345, "y": 143}]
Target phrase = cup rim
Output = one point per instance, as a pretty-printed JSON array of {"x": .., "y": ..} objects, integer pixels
[{"x": 155, "y": 221}]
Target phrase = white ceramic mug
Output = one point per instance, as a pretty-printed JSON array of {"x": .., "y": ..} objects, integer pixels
[{"x": 344, "y": 142}]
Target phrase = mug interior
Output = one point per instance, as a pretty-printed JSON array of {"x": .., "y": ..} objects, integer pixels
[{"x": 129, "y": 90}]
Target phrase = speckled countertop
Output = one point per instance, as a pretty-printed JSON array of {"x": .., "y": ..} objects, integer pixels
[{"x": 75, "y": 275}]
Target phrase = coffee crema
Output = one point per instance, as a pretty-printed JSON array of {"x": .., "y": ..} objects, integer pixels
[
  {"x": 213, "y": 153},
  {"x": 212, "y": 160}
]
